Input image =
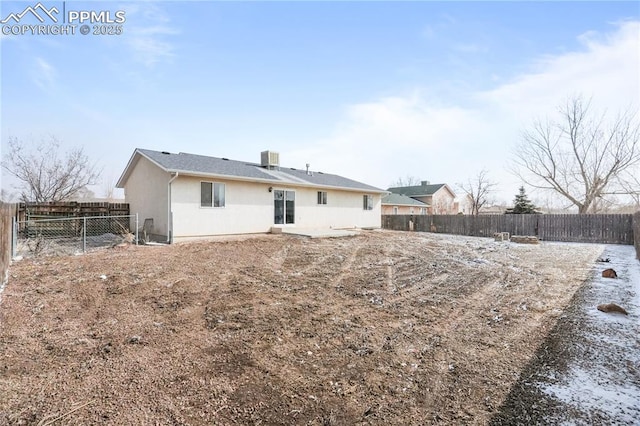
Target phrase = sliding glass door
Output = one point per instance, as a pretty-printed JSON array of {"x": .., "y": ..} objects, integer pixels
[{"x": 284, "y": 206}]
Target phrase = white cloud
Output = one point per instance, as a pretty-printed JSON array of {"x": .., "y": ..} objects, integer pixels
[
  {"x": 44, "y": 75},
  {"x": 148, "y": 47},
  {"x": 147, "y": 33},
  {"x": 415, "y": 134},
  {"x": 608, "y": 69}
]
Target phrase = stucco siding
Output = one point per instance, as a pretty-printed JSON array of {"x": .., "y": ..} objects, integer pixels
[
  {"x": 249, "y": 208},
  {"x": 146, "y": 193},
  {"x": 442, "y": 202},
  {"x": 344, "y": 209}
]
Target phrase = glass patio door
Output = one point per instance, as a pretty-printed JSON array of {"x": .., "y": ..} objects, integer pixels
[{"x": 284, "y": 207}]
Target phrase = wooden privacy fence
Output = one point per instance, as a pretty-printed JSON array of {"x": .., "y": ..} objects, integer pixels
[
  {"x": 591, "y": 228},
  {"x": 55, "y": 209}
]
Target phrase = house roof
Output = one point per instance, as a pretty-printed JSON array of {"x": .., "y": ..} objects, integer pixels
[
  {"x": 200, "y": 165},
  {"x": 402, "y": 200},
  {"x": 422, "y": 190}
]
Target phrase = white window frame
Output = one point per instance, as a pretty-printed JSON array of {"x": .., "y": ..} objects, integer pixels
[
  {"x": 367, "y": 202},
  {"x": 286, "y": 192},
  {"x": 214, "y": 186},
  {"x": 322, "y": 198}
]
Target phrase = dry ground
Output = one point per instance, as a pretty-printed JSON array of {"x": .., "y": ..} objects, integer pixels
[{"x": 382, "y": 328}]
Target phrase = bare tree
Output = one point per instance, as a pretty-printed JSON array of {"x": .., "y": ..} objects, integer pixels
[
  {"x": 109, "y": 188},
  {"x": 582, "y": 157},
  {"x": 631, "y": 186},
  {"x": 47, "y": 174},
  {"x": 407, "y": 181},
  {"x": 477, "y": 190}
]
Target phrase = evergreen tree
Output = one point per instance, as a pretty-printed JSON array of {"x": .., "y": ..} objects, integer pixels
[{"x": 522, "y": 204}]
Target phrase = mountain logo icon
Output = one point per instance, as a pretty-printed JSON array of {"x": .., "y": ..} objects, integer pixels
[{"x": 39, "y": 10}]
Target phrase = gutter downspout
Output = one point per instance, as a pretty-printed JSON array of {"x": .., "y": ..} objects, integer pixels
[{"x": 169, "y": 217}]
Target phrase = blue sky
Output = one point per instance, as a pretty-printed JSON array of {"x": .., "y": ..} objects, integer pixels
[{"x": 370, "y": 90}]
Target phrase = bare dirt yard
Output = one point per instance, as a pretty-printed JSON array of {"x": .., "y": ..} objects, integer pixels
[{"x": 381, "y": 328}]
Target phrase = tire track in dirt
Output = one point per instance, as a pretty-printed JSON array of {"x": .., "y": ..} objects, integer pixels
[
  {"x": 391, "y": 286},
  {"x": 345, "y": 270}
]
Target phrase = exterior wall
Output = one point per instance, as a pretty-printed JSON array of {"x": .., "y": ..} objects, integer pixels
[
  {"x": 146, "y": 192},
  {"x": 249, "y": 208},
  {"x": 442, "y": 202},
  {"x": 465, "y": 205},
  {"x": 427, "y": 199},
  {"x": 389, "y": 209},
  {"x": 343, "y": 210}
]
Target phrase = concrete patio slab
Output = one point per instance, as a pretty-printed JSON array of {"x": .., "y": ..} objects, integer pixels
[{"x": 320, "y": 233}]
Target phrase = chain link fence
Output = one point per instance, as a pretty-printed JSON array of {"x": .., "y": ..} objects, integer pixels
[{"x": 43, "y": 236}]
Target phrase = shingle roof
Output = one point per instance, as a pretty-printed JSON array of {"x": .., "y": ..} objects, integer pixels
[
  {"x": 416, "y": 191},
  {"x": 402, "y": 200},
  {"x": 201, "y": 165}
]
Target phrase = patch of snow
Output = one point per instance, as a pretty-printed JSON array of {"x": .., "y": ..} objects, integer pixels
[
  {"x": 604, "y": 376},
  {"x": 589, "y": 393},
  {"x": 3, "y": 283}
]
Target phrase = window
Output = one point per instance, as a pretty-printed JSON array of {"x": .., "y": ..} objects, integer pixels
[
  {"x": 367, "y": 202},
  {"x": 212, "y": 194},
  {"x": 322, "y": 197},
  {"x": 395, "y": 209},
  {"x": 218, "y": 195},
  {"x": 205, "y": 194}
]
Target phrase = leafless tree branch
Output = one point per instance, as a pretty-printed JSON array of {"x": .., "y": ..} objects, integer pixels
[
  {"x": 407, "y": 181},
  {"x": 46, "y": 174},
  {"x": 582, "y": 156},
  {"x": 478, "y": 190}
]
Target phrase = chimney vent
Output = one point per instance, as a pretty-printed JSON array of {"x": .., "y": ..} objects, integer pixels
[{"x": 425, "y": 182}]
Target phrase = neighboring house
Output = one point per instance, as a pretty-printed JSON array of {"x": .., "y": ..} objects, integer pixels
[
  {"x": 401, "y": 204},
  {"x": 463, "y": 204},
  {"x": 439, "y": 197},
  {"x": 190, "y": 196},
  {"x": 493, "y": 209}
]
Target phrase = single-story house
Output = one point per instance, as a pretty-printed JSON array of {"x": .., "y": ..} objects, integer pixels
[
  {"x": 440, "y": 197},
  {"x": 188, "y": 196},
  {"x": 401, "y": 204}
]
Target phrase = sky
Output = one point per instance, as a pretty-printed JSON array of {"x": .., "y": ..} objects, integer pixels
[{"x": 373, "y": 91}]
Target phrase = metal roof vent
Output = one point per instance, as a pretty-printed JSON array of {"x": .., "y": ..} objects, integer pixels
[{"x": 269, "y": 159}]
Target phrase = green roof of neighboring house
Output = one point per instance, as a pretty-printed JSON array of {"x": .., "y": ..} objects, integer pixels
[
  {"x": 402, "y": 200},
  {"x": 416, "y": 191}
]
